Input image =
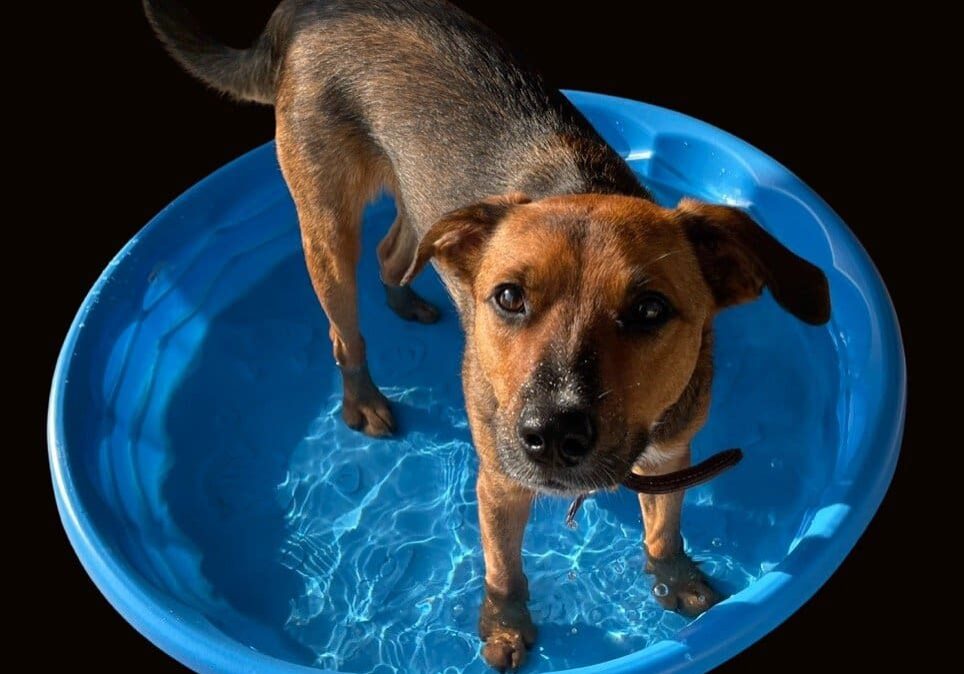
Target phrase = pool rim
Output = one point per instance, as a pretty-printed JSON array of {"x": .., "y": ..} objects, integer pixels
[{"x": 201, "y": 646}]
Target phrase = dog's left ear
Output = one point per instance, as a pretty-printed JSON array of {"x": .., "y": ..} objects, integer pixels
[
  {"x": 738, "y": 258},
  {"x": 457, "y": 240}
]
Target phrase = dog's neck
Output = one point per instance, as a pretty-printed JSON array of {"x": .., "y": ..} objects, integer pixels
[{"x": 577, "y": 161}]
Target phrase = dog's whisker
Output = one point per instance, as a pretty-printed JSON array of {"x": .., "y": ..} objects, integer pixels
[
  {"x": 628, "y": 387},
  {"x": 661, "y": 258}
]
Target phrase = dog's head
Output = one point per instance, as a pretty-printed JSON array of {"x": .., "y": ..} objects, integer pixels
[{"x": 587, "y": 316}]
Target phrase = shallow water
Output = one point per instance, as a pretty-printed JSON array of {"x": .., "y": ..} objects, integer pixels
[{"x": 318, "y": 545}]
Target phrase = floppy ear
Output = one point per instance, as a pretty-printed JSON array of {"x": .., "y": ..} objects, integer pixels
[
  {"x": 457, "y": 240},
  {"x": 738, "y": 258}
]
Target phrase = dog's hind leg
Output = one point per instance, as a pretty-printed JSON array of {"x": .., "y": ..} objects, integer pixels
[
  {"x": 395, "y": 254},
  {"x": 331, "y": 175}
]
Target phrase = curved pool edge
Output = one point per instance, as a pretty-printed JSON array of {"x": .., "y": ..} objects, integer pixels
[
  {"x": 142, "y": 610},
  {"x": 202, "y": 647},
  {"x": 677, "y": 656}
]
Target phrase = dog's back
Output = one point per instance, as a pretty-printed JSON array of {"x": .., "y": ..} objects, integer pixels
[
  {"x": 439, "y": 95},
  {"x": 588, "y": 309}
]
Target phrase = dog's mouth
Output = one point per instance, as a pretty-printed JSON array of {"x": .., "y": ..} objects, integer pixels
[
  {"x": 550, "y": 485},
  {"x": 610, "y": 471},
  {"x": 567, "y": 486},
  {"x": 604, "y": 472}
]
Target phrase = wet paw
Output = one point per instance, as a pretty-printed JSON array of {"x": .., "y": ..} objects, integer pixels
[
  {"x": 680, "y": 586},
  {"x": 505, "y": 650},
  {"x": 364, "y": 408},
  {"x": 371, "y": 417},
  {"x": 507, "y": 630},
  {"x": 408, "y": 305}
]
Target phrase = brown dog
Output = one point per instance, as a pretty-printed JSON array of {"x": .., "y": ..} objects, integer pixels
[{"x": 588, "y": 309}]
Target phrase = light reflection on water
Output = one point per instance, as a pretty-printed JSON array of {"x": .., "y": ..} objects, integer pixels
[
  {"x": 385, "y": 537},
  {"x": 325, "y": 547}
]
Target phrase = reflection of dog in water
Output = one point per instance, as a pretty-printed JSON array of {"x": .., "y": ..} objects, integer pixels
[{"x": 588, "y": 309}]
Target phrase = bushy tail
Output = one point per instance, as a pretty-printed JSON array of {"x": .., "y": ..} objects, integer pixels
[{"x": 247, "y": 74}]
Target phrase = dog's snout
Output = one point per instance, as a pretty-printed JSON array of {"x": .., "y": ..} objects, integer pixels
[{"x": 549, "y": 436}]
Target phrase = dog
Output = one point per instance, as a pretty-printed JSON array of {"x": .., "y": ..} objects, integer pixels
[{"x": 587, "y": 308}]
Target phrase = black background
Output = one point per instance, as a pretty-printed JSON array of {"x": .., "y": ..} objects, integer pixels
[{"x": 117, "y": 131}]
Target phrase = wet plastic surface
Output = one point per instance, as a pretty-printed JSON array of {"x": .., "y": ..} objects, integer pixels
[{"x": 211, "y": 491}]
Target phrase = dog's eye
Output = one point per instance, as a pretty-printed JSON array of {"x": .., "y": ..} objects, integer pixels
[
  {"x": 648, "y": 312},
  {"x": 510, "y": 299}
]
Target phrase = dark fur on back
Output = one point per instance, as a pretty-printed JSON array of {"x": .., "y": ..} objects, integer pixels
[{"x": 465, "y": 120}]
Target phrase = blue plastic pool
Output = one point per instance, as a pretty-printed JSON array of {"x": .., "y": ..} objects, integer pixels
[{"x": 211, "y": 492}]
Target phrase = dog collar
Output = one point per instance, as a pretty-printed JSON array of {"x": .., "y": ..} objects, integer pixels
[{"x": 670, "y": 482}]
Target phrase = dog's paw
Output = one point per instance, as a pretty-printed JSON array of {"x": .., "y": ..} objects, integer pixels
[
  {"x": 507, "y": 630},
  {"x": 364, "y": 407},
  {"x": 505, "y": 650},
  {"x": 372, "y": 417},
  {"x": 679, "y": 585},
  {"x": 408, "y": 305}
]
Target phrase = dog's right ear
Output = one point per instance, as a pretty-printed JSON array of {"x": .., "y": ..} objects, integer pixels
[{"x": 457, "y": 240}]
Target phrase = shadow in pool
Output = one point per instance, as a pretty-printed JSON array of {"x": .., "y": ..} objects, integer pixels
[
  {"x": 312, "y": 539},
  {"x": 239, "y": 413}
]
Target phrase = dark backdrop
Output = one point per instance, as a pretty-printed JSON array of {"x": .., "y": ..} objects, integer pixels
[{"x": 121, "y": 131}]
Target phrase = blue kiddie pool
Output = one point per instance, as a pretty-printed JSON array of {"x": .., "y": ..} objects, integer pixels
[{"x": 211, "y": 491}]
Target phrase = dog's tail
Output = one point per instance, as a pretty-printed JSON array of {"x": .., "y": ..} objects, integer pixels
[{"x": 247, "y": 74}]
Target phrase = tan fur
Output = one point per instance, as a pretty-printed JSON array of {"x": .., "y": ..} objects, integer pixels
[
  {"x": 478, "y": 133},
  {"x": 661, "y": 514},
  {"x": 531, "y": 246},
  {"x": 627, "y": 235},
  {"x": 577, "y": 282}
]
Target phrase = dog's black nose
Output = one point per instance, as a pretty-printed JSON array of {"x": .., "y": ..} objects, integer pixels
[{"x": 548, "y": 436}]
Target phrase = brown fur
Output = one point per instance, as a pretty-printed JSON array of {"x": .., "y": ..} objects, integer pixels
[
  {"x": 573, "y": 229},
  {"x": 578, "y": 257}
]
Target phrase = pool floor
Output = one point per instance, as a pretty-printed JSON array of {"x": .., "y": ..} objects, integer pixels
[{"x": 318, "y": 545}]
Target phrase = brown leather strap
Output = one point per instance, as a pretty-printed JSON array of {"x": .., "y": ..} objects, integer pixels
[
  {"x": 686, "y": 478},
  {"x": 670, "y": 482}
]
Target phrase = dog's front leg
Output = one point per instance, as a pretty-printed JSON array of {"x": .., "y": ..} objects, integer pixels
[
  {"x": 678, "y": 584},
  {"x": 505, "y": 624}
]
